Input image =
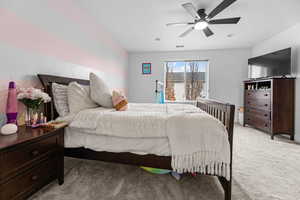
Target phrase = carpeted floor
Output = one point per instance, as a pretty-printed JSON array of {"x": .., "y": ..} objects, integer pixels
[{"x": 263, "y": 170}]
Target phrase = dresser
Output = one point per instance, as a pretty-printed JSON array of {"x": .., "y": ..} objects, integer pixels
[
  {"x": 29, "y": 160},
  {"x": 270, "y": 105}
]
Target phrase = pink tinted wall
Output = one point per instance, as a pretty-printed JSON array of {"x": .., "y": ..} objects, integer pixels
[{"x": 39, "y": 37}]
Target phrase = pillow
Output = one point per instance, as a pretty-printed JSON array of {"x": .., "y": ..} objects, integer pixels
[
  {"x": 100, "y": 92},
  {"x": 79, "y": 98},
  {"x": 119, "y": 101},
  {"x": 60, "y": 98}
]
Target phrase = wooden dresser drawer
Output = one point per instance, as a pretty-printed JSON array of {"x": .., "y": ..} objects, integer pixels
[
  {"x": 261, "y": 114},
  {"x": 260, "y": 104},
  {"x": 258, "y": 94},
  {"x": 15, "y": 159},
  {"x": 29, "y": 181},
  {"x": 263, "y": 124}
]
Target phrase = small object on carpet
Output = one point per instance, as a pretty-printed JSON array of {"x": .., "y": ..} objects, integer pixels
[
  {"x": 176, "y": 175},
  {"x": 156, "y": 170}
]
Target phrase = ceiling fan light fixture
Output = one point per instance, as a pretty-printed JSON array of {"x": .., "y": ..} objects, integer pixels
[{"x": 201, "y": 25}]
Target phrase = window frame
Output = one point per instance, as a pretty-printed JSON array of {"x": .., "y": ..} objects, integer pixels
[{"x": 207, "y": 74}]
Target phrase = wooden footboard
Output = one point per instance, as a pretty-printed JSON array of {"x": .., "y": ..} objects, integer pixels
[{"x": 221, "y": 111}]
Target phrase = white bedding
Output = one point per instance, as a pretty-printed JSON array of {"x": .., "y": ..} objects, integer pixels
[
  {"x": 78, "y": 138},
  {"x": 139, "y": 121},
  {"x": 197, "y": 141}
]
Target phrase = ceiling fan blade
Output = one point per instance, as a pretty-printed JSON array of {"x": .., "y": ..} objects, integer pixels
[
  {"x": 190, "y": 8},
  {"x": 201, "y": 13},
  {"x": 180, "y": 24},
  {"x": 187, "y": 32},
  {"x": 220, "y": 8},
  {"x": 225, "y": 21},
  {"x": 208, "y": 32}
]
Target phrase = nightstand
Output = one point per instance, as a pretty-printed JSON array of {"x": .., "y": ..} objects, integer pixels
[{"x": 29, "y": 160}]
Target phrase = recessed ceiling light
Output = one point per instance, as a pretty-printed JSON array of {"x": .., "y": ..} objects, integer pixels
[
  {"x": 230, "y": 35},
  {"x": 179, "y": 46},
  {"x": 157, "y": 39}
]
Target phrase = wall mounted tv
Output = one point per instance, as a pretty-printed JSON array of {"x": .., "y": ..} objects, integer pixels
[{"x": 276, "y": 64}]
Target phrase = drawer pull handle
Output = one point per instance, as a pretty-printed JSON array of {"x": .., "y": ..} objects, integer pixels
[
  {"x": 266, "y": 125},
  {"x": 266, "y": 115},
  {"x": 266, "y": 95},
  {"x": 266, "y": 105},
  {"x": 34, "y": 178},
  {"x": 35, "y": 153}
]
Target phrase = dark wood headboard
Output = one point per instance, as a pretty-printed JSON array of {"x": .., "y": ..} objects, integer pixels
[{"x": 47, "y": 80}]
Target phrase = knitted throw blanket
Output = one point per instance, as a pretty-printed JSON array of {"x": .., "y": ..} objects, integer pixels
[{"x": 199, "y": 143}]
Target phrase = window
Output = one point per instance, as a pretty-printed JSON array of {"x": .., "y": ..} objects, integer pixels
[{"x": 186, "y": 80}]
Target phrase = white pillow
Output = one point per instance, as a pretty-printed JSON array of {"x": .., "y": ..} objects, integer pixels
[
  {"x": 79, "y": 98},
  {"x": 100, "y": 93},
  {"x": 60, "y": 98}
]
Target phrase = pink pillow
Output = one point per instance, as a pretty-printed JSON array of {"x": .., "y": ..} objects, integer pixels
[{"x": 120, "y": 102}]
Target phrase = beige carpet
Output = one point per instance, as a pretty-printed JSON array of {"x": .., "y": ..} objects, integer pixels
[{"x": 263, "y": 170}]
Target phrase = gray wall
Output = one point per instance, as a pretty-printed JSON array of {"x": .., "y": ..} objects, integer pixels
[
  {"x": 288, "y": 38},
  {"x": 227, "y": 70}
]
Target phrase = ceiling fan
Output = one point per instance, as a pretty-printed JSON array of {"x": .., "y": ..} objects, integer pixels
[{"x": 202, "y": 20}]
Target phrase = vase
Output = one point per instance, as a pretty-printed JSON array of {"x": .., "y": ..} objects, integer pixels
[{"x": 28, "y": 116}]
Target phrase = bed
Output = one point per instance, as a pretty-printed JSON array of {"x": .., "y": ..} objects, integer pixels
[{"x": 221, "y": 111}]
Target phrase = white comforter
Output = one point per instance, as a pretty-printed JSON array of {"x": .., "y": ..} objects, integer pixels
[{"x": 199, "y": 142}]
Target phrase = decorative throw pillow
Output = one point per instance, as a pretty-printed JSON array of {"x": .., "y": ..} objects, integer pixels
[
  {"x": 60, "y": 98},
  {"x": 100, "y": 93},
  {"x": 79, "y": 98},
  {"x": 119, "y": 101}
]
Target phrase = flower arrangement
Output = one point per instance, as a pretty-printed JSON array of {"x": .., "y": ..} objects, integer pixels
[{"x": 32, "y": 98}]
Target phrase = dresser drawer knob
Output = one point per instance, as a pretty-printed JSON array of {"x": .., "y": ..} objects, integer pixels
[
  {"x": 266, "y": 125},
  {"x": 34, "y": 178},
  {"x": 266, "y": 115},
  {"x": 266, "y": 105},
  {"x": 35, "y": 153}
]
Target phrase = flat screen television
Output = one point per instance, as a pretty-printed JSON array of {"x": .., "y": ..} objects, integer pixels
[{"x": 276, "y": 64}]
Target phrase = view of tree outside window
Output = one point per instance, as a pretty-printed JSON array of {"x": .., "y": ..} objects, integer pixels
[{"x": 186, "y": 80}]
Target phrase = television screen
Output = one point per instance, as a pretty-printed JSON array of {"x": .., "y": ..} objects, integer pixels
[{"x": 271, "y": 65}]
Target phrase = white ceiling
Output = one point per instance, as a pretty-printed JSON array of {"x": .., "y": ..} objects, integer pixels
[{"x": 136, "y": 23}]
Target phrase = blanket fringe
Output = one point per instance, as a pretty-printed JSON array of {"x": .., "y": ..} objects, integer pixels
[{"x": 201, "y": 162}]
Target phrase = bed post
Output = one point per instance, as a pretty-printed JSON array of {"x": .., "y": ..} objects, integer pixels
[
  {"x": 230, "y": 113},
  {"x": 225, "y": 114}
]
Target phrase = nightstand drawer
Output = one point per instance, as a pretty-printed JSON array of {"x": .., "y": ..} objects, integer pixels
[
  {"x": 27, "y": 182},
  {"x": 15, "y": 159}
]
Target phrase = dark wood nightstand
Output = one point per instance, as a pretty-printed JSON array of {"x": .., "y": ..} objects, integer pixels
[{"x": 29, "y": 160}]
